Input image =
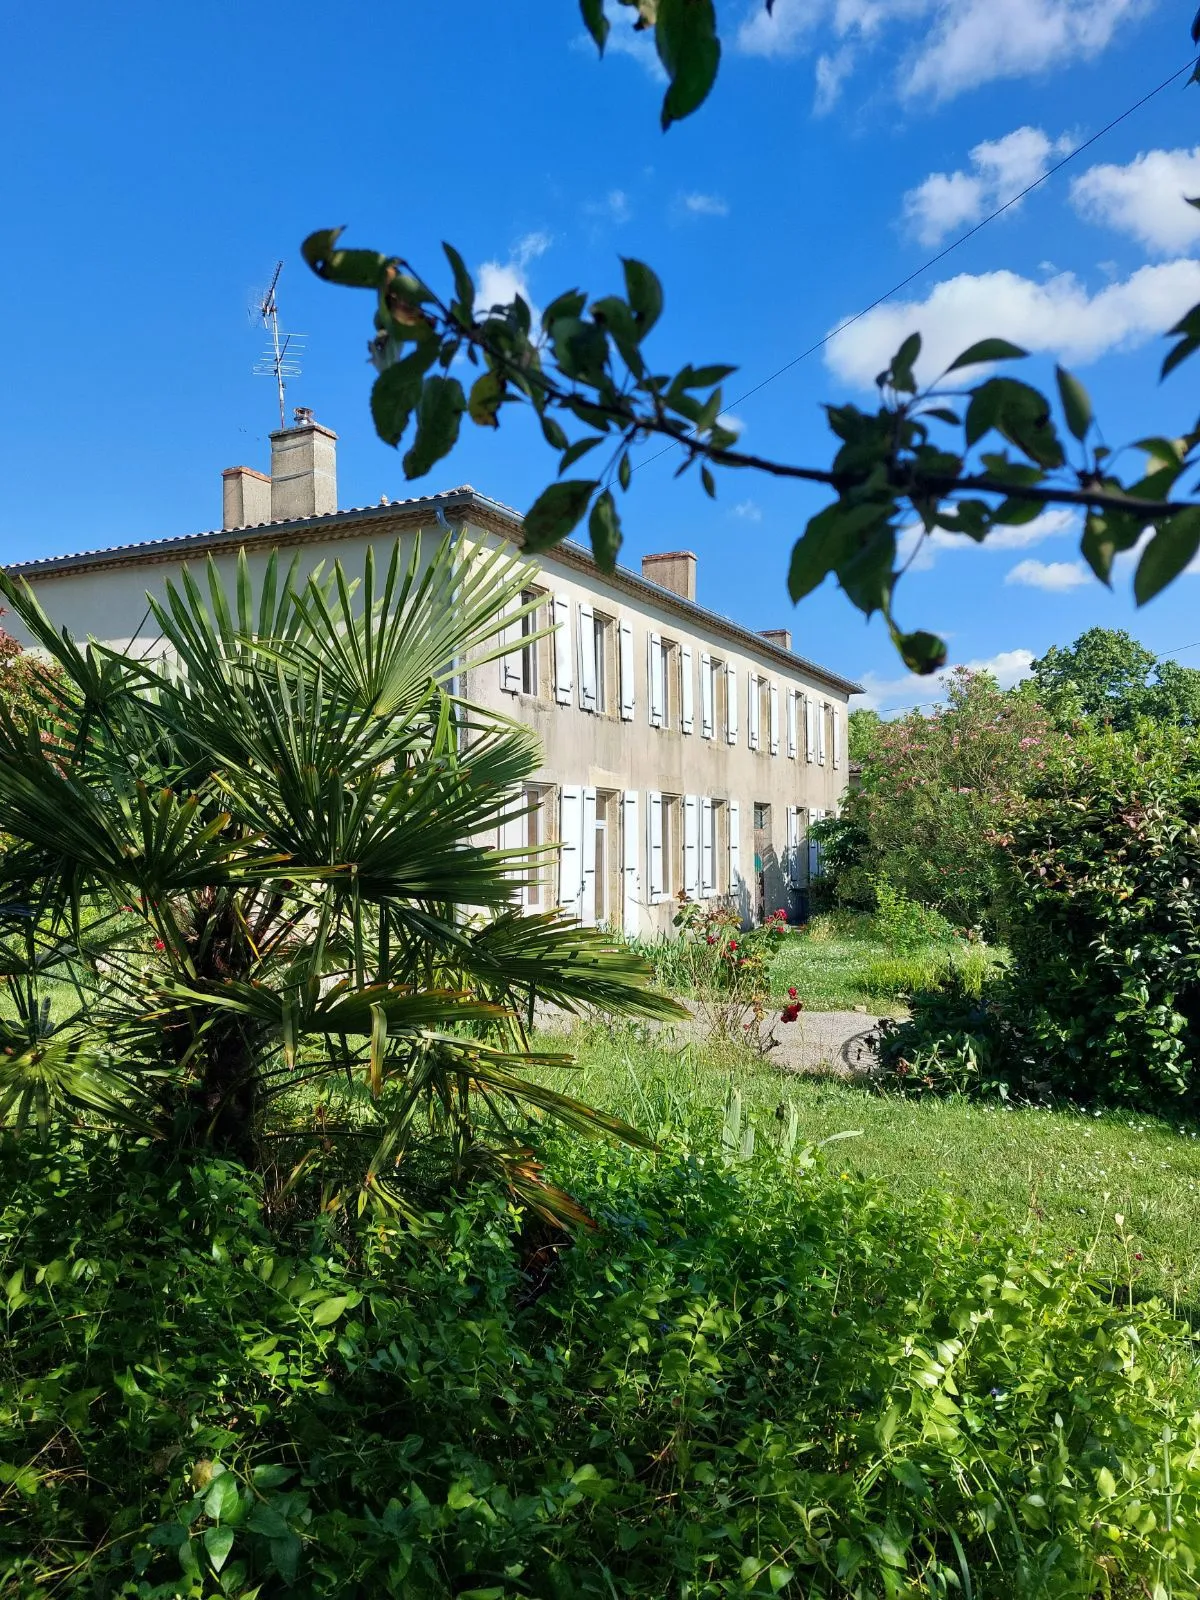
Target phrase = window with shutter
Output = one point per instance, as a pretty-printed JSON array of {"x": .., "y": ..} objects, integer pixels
[
  {"x": 735, "y": 847},
  {"x": 691, "y": 846},
  {"x": 792, "y": 865},
  {"x": 654, "y": 846},
  {"x": 587, "y": 892},
  {"x": 835, "y": 733},
  {"x": 752, "y": 709},
  {"x": 815, "y": 865},
  {"x": 625, "y": 637},
  {"x": 731, "y": 703},
  {"x": 810, "y": 728},
  {"x": 510, "y": 664},
  {"x": 656, "y": 680},
  {"x": 587, "y": 657},
  {"x": 708, "y": 848},
  {"x": 822, "y": 708},
  {"x": 563, "y": 676},
  {"x": 687, "y": 712},
  {"x": 792, "y": 723},
  {"x": 707, "y": 695},
  {"x": 570, "y": 851},
  {"x": 630, "y": 885},
  {"x": 773, "y": 720}
]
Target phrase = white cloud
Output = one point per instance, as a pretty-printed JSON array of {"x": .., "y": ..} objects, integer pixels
[
  {"x": 896, "y": 695},
  {"x": 614, "y": 208},
  {"x": 747, "y": 510},
  {"x": 780, "y": 32},
  {"x": 1055, "y": 577},
  {"x": 832, "y": 70},
  {"x": 1022, "y": 536},
  {"x": 704, "y": 205},
  {"x": 497, "y": 282},
  {"x": 947, "y": 201},
  {"x": 1145, "y": 199},
  {"x": 735, "y": 424},
  {"x": 1057, "y": 316}
]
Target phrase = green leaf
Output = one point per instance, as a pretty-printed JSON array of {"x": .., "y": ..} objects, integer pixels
[
  {"x": 1020, "y": 414},
  {"x": 595, "y": 21},
  {"x": 218, "y": 1542},
  {"x": 816, "y": 553},
  {"x": 1184, "y": 349},
  {"x": 353, "y": 269},
  {"x": 987, "y": 350},
  {"x": 580, "y": 448},
  {"x": 1106, "y": 1483},
  {"x": 709, "y": 482},
  {"x": 644, "y": 293},
  {"x": 483, "y": 403},
  {"x": 569, "y": 304},
  {"x": 396, "y": 392},
  {"x": 921, "y": 652},
  {"x": 464, "y": 284},
  {"x": 271, "y": 1476},
  {"x": 604, "y": 528},
  {"x": 685, "y": 32},
  {"x": 943, "y": 414},
  {"x": 1077, "y": 407},
  {"x": 1167, "y": 554},
  {"x": 624, "y": 470},
  {"x": 329, "y": 1310},
  {"x": 902, "y": 364},
  {"x": 556, "y": 511},
  {"x": 222, "y": 1500},
  {"x": 439, "y": 415}
]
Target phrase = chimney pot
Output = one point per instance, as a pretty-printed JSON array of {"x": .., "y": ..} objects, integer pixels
[
  {"x": 778, "y": 636},
  {"x": 246, "y": 498},
  {"x": 303, "y": 470},
  {"x": 674, "y": 570}
]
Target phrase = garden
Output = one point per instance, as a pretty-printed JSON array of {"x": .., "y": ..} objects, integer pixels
[{"x": 325, "y": 1274}]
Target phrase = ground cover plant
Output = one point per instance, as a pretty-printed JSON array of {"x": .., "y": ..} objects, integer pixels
[{"x": 758, "y": 1375}]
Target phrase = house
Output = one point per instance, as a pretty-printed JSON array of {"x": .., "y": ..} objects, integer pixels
[{"x": 681, "y": 751}]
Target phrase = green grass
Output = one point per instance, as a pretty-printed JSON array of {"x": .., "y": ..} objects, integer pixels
[
  {"x": 839, "y": 963},
  {"x": 1068, "y": 1175}
]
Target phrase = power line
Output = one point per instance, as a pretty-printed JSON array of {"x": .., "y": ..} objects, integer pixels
[{"x": 949, "y": 249}]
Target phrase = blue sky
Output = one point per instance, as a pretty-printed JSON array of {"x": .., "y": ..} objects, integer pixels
[{"x": 159, "y": 160}]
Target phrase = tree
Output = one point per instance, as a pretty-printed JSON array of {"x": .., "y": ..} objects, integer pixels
[
  {"x": 1108, "y": 676},
  {"x": 961, "y": 459},
  {"x": 263, "y": 878},
  {"x": 863, "y": 729}
]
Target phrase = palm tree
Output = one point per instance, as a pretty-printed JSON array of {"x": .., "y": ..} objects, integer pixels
[{"x": 258, "y": 874}]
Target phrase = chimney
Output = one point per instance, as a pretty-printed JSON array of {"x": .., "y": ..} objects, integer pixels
[
  {"x": 303, "y": 469},
  {"x": 674, "y": 570},
  {"x": 782, "y": 637},
  {"x": 246, "y": 497}
]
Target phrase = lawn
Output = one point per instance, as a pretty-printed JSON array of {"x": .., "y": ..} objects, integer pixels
[
  {"x": 1068, "y": 1176},
  {"x": 841, "y": 963}
]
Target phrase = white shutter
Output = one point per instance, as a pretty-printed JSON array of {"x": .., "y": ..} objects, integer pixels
[
  {"x": 731, "y": 730},
  {"x": 793, "y": 846},
  {"x": 821, "y": 733},
  {"x": 836, "y": 733},
  {"x": 654, "y": 673},
  {"x": 562, "y": 650},
  {"x": 587, "y": 657},
  {"x": 691, "y": 846},
  {"x": 654, "y": 842},
  {"x": 810, "y": 729},
  {"x": 814, "y": 850},
  {"x": 792, "y": 727},
  {"x": 708, "y": 882},
  {"x": 570, "y": 853},
  {"x": 629, "y": 864},
  {"x": 687, "y": 704},
  {"x": 706, "y": 695},
  {"x": 587, "y": 896},
  {"x": 773, "y": 723},
  {"x": 625, "y": 635},
  {"x": 510, "y": 664},
  {"x": 735, "y": 846},
  {"x": 752, "y": 703}
]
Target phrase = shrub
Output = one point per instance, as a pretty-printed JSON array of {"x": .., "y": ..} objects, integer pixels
[
  {"x": 758, "y": 1376},
  {"x": 904, "y": 924}
]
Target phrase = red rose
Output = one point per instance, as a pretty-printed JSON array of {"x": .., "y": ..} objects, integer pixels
[
  {"x": 791, "y": 991},
  {"x": 159, "y": 945}
]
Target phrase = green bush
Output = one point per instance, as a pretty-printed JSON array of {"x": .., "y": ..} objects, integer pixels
[
  {"x": 757, "y": 1376},
  {"x": 903, "y": 923}
]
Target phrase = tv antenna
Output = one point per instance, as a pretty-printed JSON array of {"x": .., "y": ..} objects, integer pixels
[{"x": 280, "y": 360}]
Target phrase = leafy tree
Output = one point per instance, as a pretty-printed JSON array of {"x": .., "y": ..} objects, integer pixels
[
  {"x": 262, "y": 880},
  {"x": 863, "y": 731},
  {"x": 961, "y": 454},
  {"x": 1108, "y": 676}
]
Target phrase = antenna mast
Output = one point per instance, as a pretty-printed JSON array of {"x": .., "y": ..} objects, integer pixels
[{"x": 280, "y": 359}]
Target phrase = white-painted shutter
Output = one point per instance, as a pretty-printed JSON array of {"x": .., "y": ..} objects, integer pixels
[
  {"x": 631, "y": 907},
  {"x": 810, "y": 729},
  {"x": 814, "y": 850},
  {"x": 587, "y": 896},
  {"x": 654, "y": 672},
  {"x": 654, "y": 843},
  {"x": 836, "y": 734},
  {"x": 562, "y": 650},
  {"x": 587, "y": 657},
  {"x": 510, "y": 664},
  {"x": 731, "y": 709},
  {"x": 821, "y": 733},
  {"x": 706, "y": 695},
  {"x": 735, "y": 846},
  {"x": 773, "y": 720},
  {"x": 625, "y": 636},
  {"x": 793, "y": 846},
  {"x": 691, "y": 846},
  {"x": 708, "y": 882},
  {"x": 752, "y": 704},
  {"x": 570, "y": 854},
  {"x": 792, "y": 723},
  {"x": 687, "y": 703}
]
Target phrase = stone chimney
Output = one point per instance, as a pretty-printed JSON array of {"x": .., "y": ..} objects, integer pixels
[
  {"x": 246, "y": 497},
  {"x": 674, "y": 570},
  {"x": 303, "y": 469},
  {"x": 778, "y": 636}
]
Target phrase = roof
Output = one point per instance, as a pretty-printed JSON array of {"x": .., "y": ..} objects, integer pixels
[{"x": 467, "y": 504}]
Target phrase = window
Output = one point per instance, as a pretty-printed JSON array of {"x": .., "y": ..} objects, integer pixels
[
  {"x": 709, "y": 812},
  {"x": 793, "y": 723},
  {"x": 625, "y": 661},
  {"x": 754, "y": 705},
  {"x": 822, "y": 709},
  {"x": 563, "y": 674},
  {"x": 606, "y": 663},
  {"x": 664, "y": 846},
  {"x": 762, "y": 816},
  {"x": 520, "y": 671},
  {"x": 687, "y": 690},
  {"x": 810, "y": 728},
  {"x": 607, "y": 868},
  {"x": 525, "y": 831},
  {"x": 530, "y": 624},
  {"x": 664, "y": 681},
  {"x": 710, "y": 672},
  {"x": 600, "y": 866},
  {"x": 835, "y": 733},
  {"x": 731, "y": 703},
  {"x": 773, "y": 719},
  {"x": 595, "y": 668}
]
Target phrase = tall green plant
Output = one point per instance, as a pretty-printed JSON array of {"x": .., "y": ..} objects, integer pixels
[{"x": 264, "y": 875}]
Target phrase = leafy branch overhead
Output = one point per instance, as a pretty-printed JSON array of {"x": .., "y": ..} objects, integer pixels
[{"x": 972, "y": 451}]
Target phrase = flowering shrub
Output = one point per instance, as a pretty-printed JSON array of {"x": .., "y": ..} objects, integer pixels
[{"x": 729, "y": 966}]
